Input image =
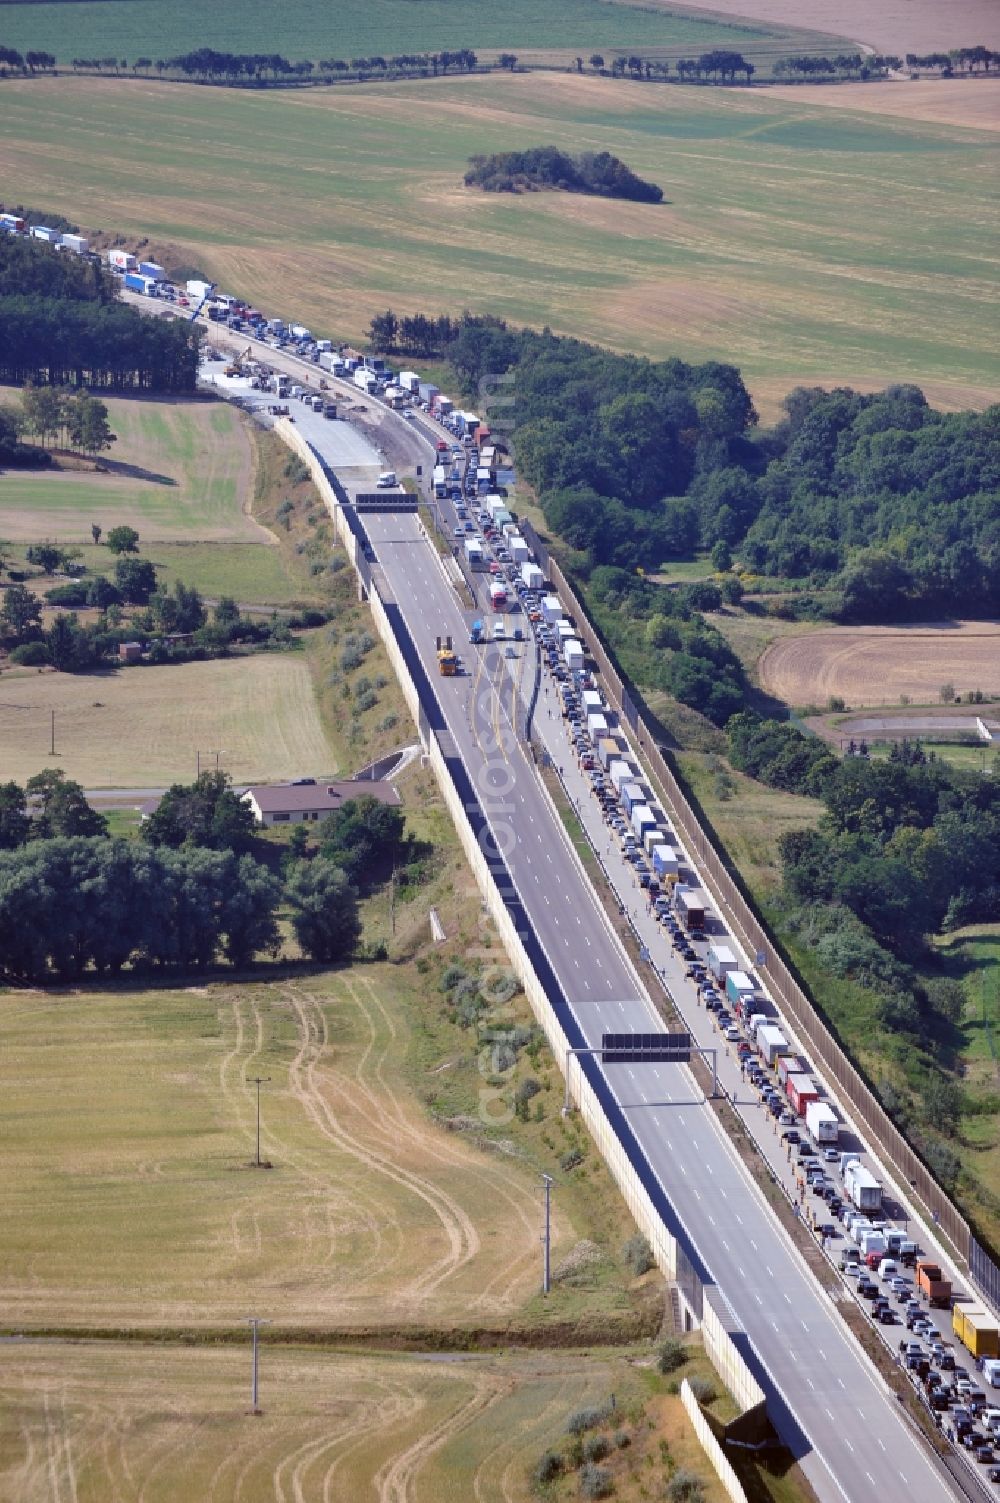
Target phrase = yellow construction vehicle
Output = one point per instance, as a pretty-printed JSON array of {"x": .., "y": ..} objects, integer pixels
[
  {"x": 447, "y": 658},
  {"x": 235, "y": 366}
]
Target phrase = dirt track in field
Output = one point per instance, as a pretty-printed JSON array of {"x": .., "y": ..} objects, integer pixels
[{"x": 875, "y": 665}]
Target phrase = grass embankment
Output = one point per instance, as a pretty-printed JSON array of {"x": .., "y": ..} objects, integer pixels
[{"x": 797, "y": 241}]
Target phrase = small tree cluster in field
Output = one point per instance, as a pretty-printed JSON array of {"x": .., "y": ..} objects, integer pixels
[
  {"x": 80, "y": 420},
  {"x": 702, "y": 1388}
]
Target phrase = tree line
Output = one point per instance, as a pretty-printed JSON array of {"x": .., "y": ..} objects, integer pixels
[
  {"x": 189, "y": 894},
  {"x": 844, "y": 65},
  {"x": 12, "y": 61},
  {"x": 597, "y": 173},
  {"x": 256, "y": 68}
]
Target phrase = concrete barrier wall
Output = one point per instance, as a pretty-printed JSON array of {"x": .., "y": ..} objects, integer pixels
[
  {"x": 716, "y": 1327},
  {"x": 722, "y": 1352},
  {"x": 716, "y": 1455},
  {"x": 827, "y": 1055}
]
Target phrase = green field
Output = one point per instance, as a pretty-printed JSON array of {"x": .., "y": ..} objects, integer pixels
[
  {"x": 362, "y": 28},
  {"x": 802, "y": 243},
  {"x": 178, "y": 470}
]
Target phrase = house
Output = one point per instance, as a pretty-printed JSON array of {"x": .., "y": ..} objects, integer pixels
[{"x": 304, "y": 801}]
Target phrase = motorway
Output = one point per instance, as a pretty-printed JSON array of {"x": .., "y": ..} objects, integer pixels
[{"x": 825, "y": 1397}]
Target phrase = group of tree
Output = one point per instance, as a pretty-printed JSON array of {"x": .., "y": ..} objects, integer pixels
[
  {"x": 79, "y": 420},
  {"x": 964, "y": 59},
  {"x": 61, "y": 324},
  {"x": 12, "y": 61},
  {"x": 190, "y": 893},
  {"x": 842, "y": 65},
  {"x": 410, "y": 334},
  {"x": 720, "y": 65},
  {"x": 884, "y": 504},
  {"x": 597, "y": 173},
  {"x": 908, "y": 844}
]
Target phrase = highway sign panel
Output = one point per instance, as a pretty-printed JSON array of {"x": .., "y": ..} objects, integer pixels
[{"x": 645, "y": 1048}]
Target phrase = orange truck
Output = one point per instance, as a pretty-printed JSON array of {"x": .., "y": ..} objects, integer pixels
[{"x": 932, "y": 1284}]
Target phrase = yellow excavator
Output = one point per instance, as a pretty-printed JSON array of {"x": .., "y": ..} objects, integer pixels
[
  {"x": 447, "y": 658},
  {"x": 235, "y": 366}
]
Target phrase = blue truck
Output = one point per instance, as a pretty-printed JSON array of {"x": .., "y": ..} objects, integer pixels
[{"x": 477, "y": 635}]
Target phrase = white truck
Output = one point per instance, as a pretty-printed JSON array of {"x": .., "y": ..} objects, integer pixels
[
  {"x": 771, "y": 1042},
  {"x": 822, "y": 1122},
  {"x": 863, "y": 1189}
]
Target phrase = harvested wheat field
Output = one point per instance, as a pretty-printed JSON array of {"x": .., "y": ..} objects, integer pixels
[
  {"x": 875, "y": 665},
  {"x": 142, "y": 727},
  {"x": 894, "y": 26},
  {"x": 974, "y": 102},
  {"x": 131, "y": 1197},
  {"x": 126, "y": 1424}
]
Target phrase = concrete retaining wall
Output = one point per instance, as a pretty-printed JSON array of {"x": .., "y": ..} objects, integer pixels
[{"x": 716, "y": 1455}]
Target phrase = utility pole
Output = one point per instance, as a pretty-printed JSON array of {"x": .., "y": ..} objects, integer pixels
[
  {"x": 547, "y": 1238},
  {"x": 258, "y": 1081},
  {"x": 255, "y": 1323}
]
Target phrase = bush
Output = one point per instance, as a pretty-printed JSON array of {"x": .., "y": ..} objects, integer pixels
[
  {"x": 638, "y": 1255},
  {"x": 671, "y": 1356},
  {"x": 387, "y": 724},
  {"x": 595, "y": 1448},
  {"x": 367, "y": 701},
  {"x": 570, "y": 1160},
  {"x": 685, "y": 1487},
  {"x": 30, "y": 655},
  {"x": 587, "y": 1419},
  {"x": 622, "y": 1440},
  {"x": 547, "y": 1468},
  {"x": 703, "y": 1389},
  {"x": 68, "y": 594},
  {"x": 596, "y": 1482}
]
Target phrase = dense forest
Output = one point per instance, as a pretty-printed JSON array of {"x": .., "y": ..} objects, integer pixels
[
  {"x": 541, "y": 167},
  {"x": 61, "y": 323},
  {"x": 877, "y": 507}
]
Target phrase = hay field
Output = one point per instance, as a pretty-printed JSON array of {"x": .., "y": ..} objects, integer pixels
[
  {"x": 874, "y": 665},
  {"x": 179, "y": 471},
  {"x": 129, "y": 1124},
  {"x": 804, "y": 243},
  {"x": 100, "y": 1423},
  {"x": 973, "y": 102},
  {"x": 141, "y": 727}
]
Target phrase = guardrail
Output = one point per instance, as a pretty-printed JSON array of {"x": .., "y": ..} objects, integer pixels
[{"x": 828, "y": 1057}]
